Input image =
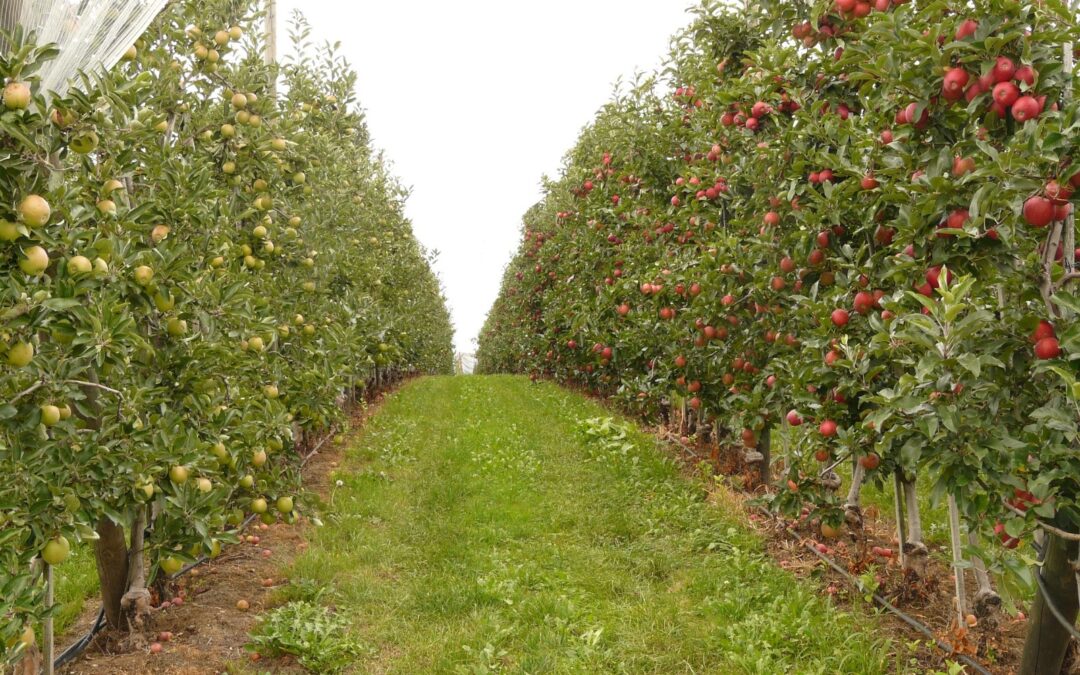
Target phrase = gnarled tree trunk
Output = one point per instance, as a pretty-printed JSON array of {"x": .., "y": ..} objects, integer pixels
[{"x": 111, "y": 552}]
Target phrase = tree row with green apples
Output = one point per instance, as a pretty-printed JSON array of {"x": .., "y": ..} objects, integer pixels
[
  {"x": 202, "y": 255},
  {"x": 849, "y": 218}
]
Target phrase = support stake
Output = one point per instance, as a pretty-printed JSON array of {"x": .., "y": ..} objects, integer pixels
[
  {"x": 957, "y": 559},
  {"x": 49, "y": 628},
  {"x": 898, "y": 514}
]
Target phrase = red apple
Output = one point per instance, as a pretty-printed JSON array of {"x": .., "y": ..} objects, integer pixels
[
  {"x": 966, "y": 28},
  {"x": 933, "y": 276},
  {"x": 1044, "y": 330},
  {"x": 962, "y": 166},
  {"x": 952, "y": 86},
  {"x": 1026, "y": 108},
  {"x": 864, "y": 302},
  {"x": 923, "y": 118},
  {"x": 1004, "y": 69},
  {"x": 1006, "y": 540},
  {"x": 1047, "y": 348},
  {"x": 884, "y": 235},
  {"x": 1057, "y": 193},
  {"x": 1005, "y": 94},
  {"x": 1038, "y": 211}
]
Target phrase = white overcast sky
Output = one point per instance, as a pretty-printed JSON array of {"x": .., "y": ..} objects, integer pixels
[{"x": 474, "y": 100}]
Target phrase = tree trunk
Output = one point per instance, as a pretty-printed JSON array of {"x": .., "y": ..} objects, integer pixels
[
  {"x": 1047, "y": 640},
  {"x": 852, "y": 510},
  {"x": 987, "y": 601},
  {"x": 916, "y": 555},
  {"x": 765, "y": 447},
  {"x": 135, "y": 603},
  {"x": 111, "y": 552}
]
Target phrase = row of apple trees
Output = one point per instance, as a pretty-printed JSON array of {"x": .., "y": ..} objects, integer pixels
[
  {"x": 851, "y": 219},
  {"x": 201, "y": 257}
]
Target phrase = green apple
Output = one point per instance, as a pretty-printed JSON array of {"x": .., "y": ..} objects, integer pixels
[
  {"x": 35, "y": 260},
  {"x": 144, "y": 274},
  {"x": 78, "y": 264},
  {"x": 171, "y": 565},
  {"x": 50, "y": 415},
  {"x": 176, "y": 327},
  {"x": 20, "y": 354},
  {"x": 56, "y": 550},
  {"x": 9, "y": 231},
  {"x": 17, "y": 96}
]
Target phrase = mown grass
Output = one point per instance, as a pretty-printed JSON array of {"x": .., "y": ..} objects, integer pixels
[
  {"x": 475, "y": 529},
  {"x": 76, "y": 582}
]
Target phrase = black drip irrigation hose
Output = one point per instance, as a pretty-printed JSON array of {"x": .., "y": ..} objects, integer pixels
[
  {"x": 909, "y": 620},
  {"x": 79, "y": 646},
  {"x": 314, "y": 450}
]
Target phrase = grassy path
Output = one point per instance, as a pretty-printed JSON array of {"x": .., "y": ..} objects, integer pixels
[{"x": 477, "y": 529}]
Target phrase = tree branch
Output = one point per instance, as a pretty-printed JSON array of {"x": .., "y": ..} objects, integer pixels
[
  {"x": 1070, "y": 536},
  {"x": 29, "y": 390},
  {"x": 96, "y": 385}
]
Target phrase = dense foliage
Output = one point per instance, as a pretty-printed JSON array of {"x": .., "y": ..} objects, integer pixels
[
  {"x": 846, "y": 216},
  {"x": 201, "y": 257}
]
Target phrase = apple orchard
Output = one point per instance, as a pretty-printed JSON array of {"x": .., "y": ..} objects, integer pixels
[
  {"x": 203, "y": 259},
  {"x": 847, "y": 225}
]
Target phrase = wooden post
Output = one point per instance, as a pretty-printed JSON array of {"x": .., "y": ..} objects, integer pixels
[
  {"x": 49, "y": 634},
  {"x": 270, "y": 53},
  {"x": 1047, "y": 640},
  {"x": 898, "y": 514},
  {"x": 270, "y": 48},
  {"x": 1070, "y": 220},
  {"x": 957, "y": 559},
  {"x": 765, "y": 448}
]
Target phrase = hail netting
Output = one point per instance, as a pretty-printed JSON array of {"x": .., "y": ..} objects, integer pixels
[{"x": 91, "y": 34}]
